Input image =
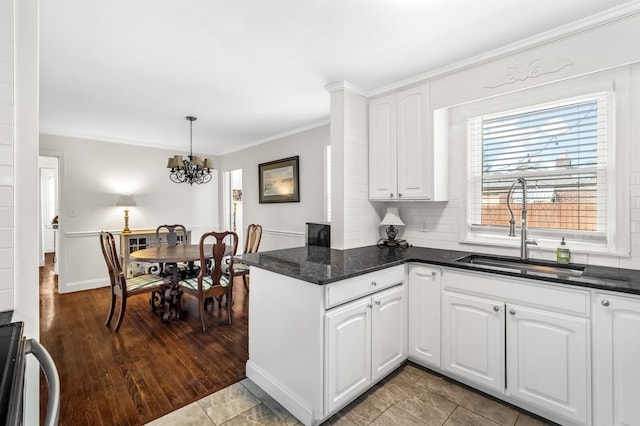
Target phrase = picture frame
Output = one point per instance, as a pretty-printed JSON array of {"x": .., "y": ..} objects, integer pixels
[{"x": 279, "y": 181}]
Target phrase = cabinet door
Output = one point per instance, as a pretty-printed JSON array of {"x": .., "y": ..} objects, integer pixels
[
  {"x": 383, "y": 149},
  {"x": 616, "y": 360},
  {"x": 348, "y": 352},
  {"x": 424, "y": 315},
  {"x": 473, "y": 339},
  {"x": 389, "y": 331},
  {"x": 548, "y": 361},
  {"x": 415, "y": 162}
]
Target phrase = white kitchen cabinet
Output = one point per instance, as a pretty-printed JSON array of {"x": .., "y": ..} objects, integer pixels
[
  {"x": 473, "y": 339},
  {"x": 348, "y": 351},
  {"x": 424, "y": 315},
  {"x": 337, "y": 340},
  {"x": 525, "y": 341},
  {"x": 616, "y": 359},
  {"x": 405, "y": 163},
  {"x": 548, "y": 361},
  {"x": 389, "y": 331},
  {"x": 383, "y": 151},
  {"x": 366, "y": 340}
]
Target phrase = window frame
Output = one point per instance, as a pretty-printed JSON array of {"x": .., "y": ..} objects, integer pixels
[{"x": 615, "y": 239}]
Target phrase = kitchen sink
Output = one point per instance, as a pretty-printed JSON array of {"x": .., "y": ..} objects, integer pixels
[{"x": 524, "y": 267}]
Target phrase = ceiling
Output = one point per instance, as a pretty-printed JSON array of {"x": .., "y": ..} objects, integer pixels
[{"x": 253, "y": 70}]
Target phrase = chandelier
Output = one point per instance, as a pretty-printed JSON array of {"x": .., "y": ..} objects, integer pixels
[{"x": 193, "y": 170}]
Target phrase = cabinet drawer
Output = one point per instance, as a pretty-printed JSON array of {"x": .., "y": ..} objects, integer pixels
[
  {"x": 551, "y": 296},
  {"x": 353, "y": 288}
]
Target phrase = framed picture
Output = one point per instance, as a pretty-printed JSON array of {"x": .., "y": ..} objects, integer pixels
[{"x": 279, "y": 181}]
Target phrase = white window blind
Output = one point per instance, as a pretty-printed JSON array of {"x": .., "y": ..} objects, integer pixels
[{"x": 561, "y": 151}]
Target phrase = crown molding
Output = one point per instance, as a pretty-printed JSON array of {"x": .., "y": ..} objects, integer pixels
[
  {"x": 277, "y": 136},
  {"x": 345, "y": 86},
  {"x": 100, "y": 138}
]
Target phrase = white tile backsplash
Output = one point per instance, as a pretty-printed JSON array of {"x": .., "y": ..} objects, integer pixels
[
  {"x": 6, "y": 258},
  {"x": 6, "y": 134},
  {"x": 6, "y": 175},
  {"x": 6, "y": 280},
  {"x": 6, "y": 113},
  {"x": 6, "y": 72},
  {"x": 6, "y": 299},
  {"x": 6, "y": 93}
]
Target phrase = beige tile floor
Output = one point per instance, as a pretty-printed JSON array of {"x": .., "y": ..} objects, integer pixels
[{"x": 410, "y": 396}]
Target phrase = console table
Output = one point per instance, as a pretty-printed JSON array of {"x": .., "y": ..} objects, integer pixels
[{"x": 140, "y": 239}]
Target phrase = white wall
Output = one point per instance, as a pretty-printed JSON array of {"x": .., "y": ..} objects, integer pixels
[
  {"x": 283, "y": 223},
  {"x": 6, "y": 155},
  {"x": 93, "y": 175},
  {"x": 591, "y": 51}
]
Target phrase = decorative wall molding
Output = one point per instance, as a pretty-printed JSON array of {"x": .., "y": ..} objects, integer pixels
[
  {"x": 116, "y": 233},
  {"x": 527, "y": 69},
  {"x": 283, "y": 233},
  {"x": 610, "y": 16}
]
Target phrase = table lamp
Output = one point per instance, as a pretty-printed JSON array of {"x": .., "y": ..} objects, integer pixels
[
  {"x": 125, "y": 201},
  {"x": 391, "y": 220}
]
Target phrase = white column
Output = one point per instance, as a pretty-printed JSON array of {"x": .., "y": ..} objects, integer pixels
[
  {"x": 26, "y": 147},
  {"x": 354, "y": 221}
]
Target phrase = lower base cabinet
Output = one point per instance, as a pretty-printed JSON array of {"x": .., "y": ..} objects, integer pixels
[
  {"x": 473, "y": 339},
  {"x": 522, "y": 351},
  {"x": 616, "y": 360},
  {"x": 424, "y": 315},
  {"x": 548, "y": 361},
  {"x": 366, "y": 340}
]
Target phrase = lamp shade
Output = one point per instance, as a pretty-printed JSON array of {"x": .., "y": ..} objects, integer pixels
[
  {"x": 392, "y": 217},
  {"x": 126, "y": 200}
]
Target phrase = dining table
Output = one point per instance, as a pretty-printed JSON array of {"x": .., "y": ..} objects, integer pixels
[{"x": 171, "y": 293}]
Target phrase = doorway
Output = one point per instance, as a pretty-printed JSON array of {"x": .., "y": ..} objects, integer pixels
[
  {"x": 48, "y": 208},
  {"x": 233, "y": 212}
]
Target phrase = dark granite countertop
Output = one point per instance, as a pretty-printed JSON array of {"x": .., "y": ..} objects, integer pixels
[{"x": 321, "y": 265}]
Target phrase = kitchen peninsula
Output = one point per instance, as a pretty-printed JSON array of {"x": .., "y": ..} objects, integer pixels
[{"x": 328, "y": 324}]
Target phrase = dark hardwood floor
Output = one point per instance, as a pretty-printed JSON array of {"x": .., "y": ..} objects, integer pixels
[{"x": 149, "y": 367}]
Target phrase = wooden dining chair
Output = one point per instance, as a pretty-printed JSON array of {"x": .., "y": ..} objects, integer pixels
[
  {"x": 251, "y": 244},
  {"x": 212, "y": 282},
  {"x": 172, "y": 238},
  {"x": 123, "y": 287}
]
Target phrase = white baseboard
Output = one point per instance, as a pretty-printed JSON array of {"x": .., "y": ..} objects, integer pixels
[
  {"x": 84, "y": 285},
  {"x": 299, "y": 410}
]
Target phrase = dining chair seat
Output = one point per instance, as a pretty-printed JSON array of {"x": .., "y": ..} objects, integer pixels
[
  {"x": 207, "y": 283},
  {"x": 251, "y": 244},
  {"x": 144, "y": 281},
  {"x": 237, "y": 267}
]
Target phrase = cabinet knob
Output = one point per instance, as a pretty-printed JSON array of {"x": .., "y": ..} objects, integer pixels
[
  {"x": 512, "y": 312},
  {"x": 378, "y": 302},
  {"x": 391, "y": 195},
  {"x": 373, "y": 283},
  {"x": 605, "y": 303},
  {"x": 434, "y": 275},
  {"x": 399, "y": 195},
  {"x": 496, "y": 308},
  {"x": 369, "y": 306}
]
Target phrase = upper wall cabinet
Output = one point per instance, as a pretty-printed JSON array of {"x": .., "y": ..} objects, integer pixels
[{"x": 405, "y": 162}]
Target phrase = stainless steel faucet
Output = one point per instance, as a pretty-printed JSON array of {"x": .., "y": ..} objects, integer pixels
[{"x": 524, "y": 242}]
